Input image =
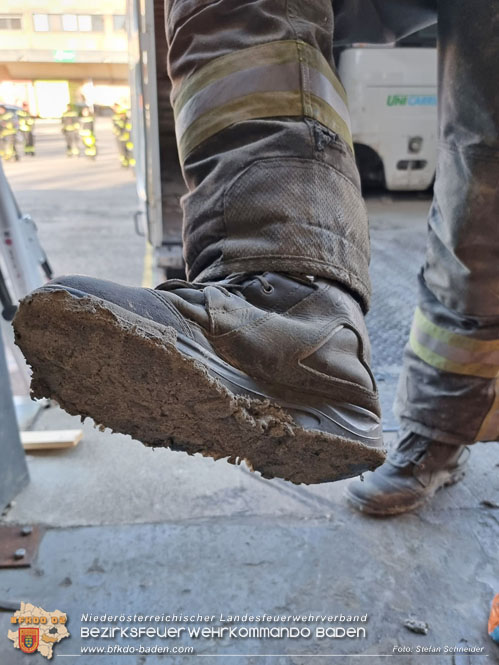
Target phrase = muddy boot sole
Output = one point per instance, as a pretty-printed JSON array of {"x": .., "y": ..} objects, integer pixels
[{"x": 138, "y": 377}]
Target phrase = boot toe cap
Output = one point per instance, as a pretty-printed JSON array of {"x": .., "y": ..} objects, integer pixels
[
  {"x": 139, "y": 301},
  {"x": 376, "y": 495}
]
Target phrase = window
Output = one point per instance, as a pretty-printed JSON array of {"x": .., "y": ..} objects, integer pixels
[
  {"x": 10, "y": 22},
  {"x": 69, "y": 22},
  {"x": 85, "y": 23},
  {"x": 55, "y": 22},
  {"x": 97, "y": 23},
  {"x": 119, "y": 22},
  {"x": 41, "y": 22},
  {"x": 82, "y": 22}
]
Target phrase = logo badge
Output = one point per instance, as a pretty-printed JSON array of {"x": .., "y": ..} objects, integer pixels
[
  {"x": 29, "y": 639},
  {"x": 35, "y": 629}
]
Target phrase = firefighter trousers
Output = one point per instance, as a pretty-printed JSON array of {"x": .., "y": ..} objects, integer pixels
[
  {"x": 8, "y": 146},
  {"x": 264, "y": 139},
  {"x": 29, "y": 142},
  {"x": 71, "y": 136}
]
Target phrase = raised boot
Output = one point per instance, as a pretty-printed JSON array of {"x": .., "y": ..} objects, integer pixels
[
  {"x": 270, "y": 368},
  {"x": 411, "y": 475}
]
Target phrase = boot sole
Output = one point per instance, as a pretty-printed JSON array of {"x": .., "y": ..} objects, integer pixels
[
  {"x": 364, "y": 507},
  {"x": 138, "y": 377}
]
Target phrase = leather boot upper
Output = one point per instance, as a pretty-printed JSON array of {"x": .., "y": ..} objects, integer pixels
[
  {"x": 413, "y": 472},
  {"x": 300, "y": 334}
]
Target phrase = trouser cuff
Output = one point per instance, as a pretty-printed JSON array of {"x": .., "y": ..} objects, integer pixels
[{"x": 290, "y": 202}]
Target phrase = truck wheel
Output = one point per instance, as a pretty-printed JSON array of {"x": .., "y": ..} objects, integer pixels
[{"x": 372, "y": 173}]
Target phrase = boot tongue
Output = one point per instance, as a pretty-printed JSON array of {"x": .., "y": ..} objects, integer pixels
[
  {"x": 194, "y": 296},
  {"x": 276, "y": 292},
  {"x": 410, "y": 448},
  {"x": 188, "y": 299}
]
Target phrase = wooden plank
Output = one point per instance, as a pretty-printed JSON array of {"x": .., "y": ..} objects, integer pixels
[{"x": 51, "y": 440}]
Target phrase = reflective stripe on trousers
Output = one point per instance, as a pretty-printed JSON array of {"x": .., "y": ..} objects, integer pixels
[
  {"x": 282, "y": 78},
  {"x": 453, "y": 352},
  {"x": 476, "y": 360}
]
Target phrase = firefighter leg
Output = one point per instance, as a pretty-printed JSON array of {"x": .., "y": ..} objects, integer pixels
[
  {"x": 448, "y": 392},
  {"x": 9, "y": 147},
  {"x": 264, "y": 138},
  {"x": 11, "y": 150},
  {"x": 123, "y": 153},
  {"x": 69, "y": 143},
  {"x": 75, "y": 149},
  {"x": 129, "y": 153},
  {"x": 29, "y": 143},
  {"x": 119, "y": 146},
  {"x": 449, "y": 388},
  {"x": 89, "y": 143}
]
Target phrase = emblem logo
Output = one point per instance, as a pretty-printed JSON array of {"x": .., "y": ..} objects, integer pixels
[
  {"x": 29, "y": 638},
  {"x": 34, "y": 629}
]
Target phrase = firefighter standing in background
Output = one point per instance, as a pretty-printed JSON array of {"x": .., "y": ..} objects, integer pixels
[
  {"x": 26, "y": 127},
  {"x": 118, "y": 123},
  {"x": 122, "y": 127},
  {"x": 87, "y": 134},
  {"x": 70, "y": 127},
  {"x": 8, "y": 134},
  {"x": 127, "y": 143}
]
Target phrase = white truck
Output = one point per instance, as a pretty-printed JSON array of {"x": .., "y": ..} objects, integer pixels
[{"x": 392, "y": 97}]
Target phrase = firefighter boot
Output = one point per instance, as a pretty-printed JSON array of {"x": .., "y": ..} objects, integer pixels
[
  {"x": 413, "y": 472},
  {"x": 269, "y": 368}
]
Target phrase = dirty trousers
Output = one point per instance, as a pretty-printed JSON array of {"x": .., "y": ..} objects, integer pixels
[{"x": 265, "y": 144}]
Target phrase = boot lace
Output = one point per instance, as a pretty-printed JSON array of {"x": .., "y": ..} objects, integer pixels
[{"x": 234, "y": 283}]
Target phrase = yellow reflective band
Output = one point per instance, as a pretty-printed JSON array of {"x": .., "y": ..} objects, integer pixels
[
  {"x": 271, "y": 53},
  {"x": 452, "y": 352},
  {"x": 462, "y": 341},
  {"x": 315, "y": 59},
  {"x": 279, "y": 79},
  {"x": 326, "y": 115},
  {"x": 263, "y": 105}
]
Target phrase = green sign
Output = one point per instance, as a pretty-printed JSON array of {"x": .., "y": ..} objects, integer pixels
[
  {"x": 64, "y": 56},
  {"x": 411, "y": 100}
]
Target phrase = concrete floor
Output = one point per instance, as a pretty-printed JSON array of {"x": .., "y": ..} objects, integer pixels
[{"x": 134, "y": 530}]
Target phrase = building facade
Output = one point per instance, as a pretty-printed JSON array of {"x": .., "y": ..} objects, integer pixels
[{"x": 61, "y": 51}]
